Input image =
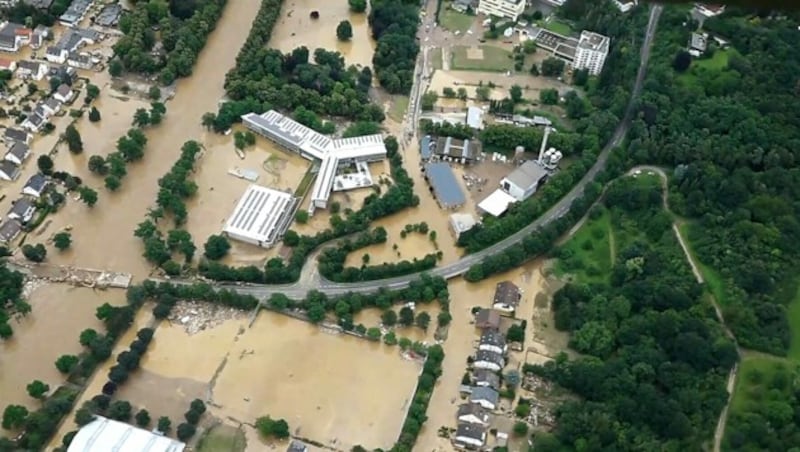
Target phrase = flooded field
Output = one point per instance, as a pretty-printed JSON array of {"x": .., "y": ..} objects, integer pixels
[
  {"x": 462, "y": 334},
  {"x": 59, "y": 313},
  {"x": 296, "y": 29},
  {"x": 109, "y": 227},
  {"x": 218, "y": 191}
]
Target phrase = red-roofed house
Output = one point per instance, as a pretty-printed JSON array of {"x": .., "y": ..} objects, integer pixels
[{"x": 8, "y": 65}]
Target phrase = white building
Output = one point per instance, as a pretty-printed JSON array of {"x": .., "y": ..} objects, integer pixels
[
  {"x": 31, "y": 70},
  {"x": 470, "y": 436},
  {"x": 472, "y": 413},
  {"x": 64, "y": 93},
  {"x": 625, "y": 6},
  {"x": 523, "y": 181},
  {"x": 497, "y": 203},
  {"x": 261, "y": 217},
  {"x": 591, "y": 52},
  {"x": 312, "y": 145},
  {"x": 461, "y": 222},
  {"x": 485, "y": 359},
  {"x": 475, "y": 118},
  {"x": 511, "y": 9},
  {"x": 709, "y": 10},
  {"x": 103, "y": 435},
  {"x": 493, "y": 341}
]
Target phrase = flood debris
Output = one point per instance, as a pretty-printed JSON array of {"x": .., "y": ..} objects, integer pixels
[{"x": 196, "y": 316}]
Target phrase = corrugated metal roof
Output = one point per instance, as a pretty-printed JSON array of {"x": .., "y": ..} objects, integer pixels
[{"x": 444, "y": 183}]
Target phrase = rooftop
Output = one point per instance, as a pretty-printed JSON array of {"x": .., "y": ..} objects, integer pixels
[
  {"x": 109, "y": 16},
  {"x": 462, "y": 222},
  {"x": 475, "y": 117},
  {"x": 486, "y": 376},
  {"x": 457, "y": 149},
  {"x": 20, "y": 207},
  {"x": 10, "y": 169},
  {"x": 445, "y": 185},
  {"x": 16, "y": 134},
  {"x": 9, "y": 230},
  {"x": 425, "y": 146},
  {"x": 491, "y": 337},
  {"x": 507, "y": 292},
  {"x": 102, "y": 435},
  {"x": 527, "y": 175},
  {"x": 593, "y": 41},
  {"x": 260, "y": 214},
  {"x": 19, "y": 150},
  {"x": 37, "y": 182},
  {"x": 497, "y": 203},
  {"x": 473, "y": 431},
  {"x": 473, "y": 409},
  {"x": 484, "y": 393},
  {"x": 489, "y": 317},
  {"x": 492, "y": 357}
]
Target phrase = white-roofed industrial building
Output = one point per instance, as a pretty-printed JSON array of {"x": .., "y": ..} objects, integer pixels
[
  {"x": 261, "y": 216},
  {"x": 523, "y": 181},
  {"x": 497, "y": 203},
  {"x": 312, "y": 145},
  {"x": 104, "y": 435}
]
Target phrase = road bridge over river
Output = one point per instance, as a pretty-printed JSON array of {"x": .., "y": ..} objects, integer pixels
[{"x": 299, "y": 289}]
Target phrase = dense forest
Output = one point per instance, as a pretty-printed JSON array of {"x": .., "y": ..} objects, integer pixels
[
  {"x": 182, "y": 29},
  {"x": 11, "y": 301},
  {"x": 654, "y": 360},
  {"x": 594, "y": 122},
  {"x": 731, "y": 133},
  {"x": 394, "y": 27}
]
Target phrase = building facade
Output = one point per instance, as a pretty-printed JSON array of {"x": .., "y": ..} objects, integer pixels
[
  {"x": 510, "y": 9},
  {"x": 591, "y": 52}
]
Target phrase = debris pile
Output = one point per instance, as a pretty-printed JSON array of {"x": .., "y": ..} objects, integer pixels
[{"x": 198, "y": 316}]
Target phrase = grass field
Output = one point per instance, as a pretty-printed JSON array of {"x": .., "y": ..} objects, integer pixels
[
  {"x": 436, "y": 58},
  {"x": 398, "y": 108},
  {"x": 454, "y": 20},
  {"x": 587, "y": 255},
  {"x": 494, "y": 59},
  {"x": 717, "y": 62},
  {"x": 222, "y": 438},
  {"x": 755, "y": 382},
  {"x": 557, "y": 26}
]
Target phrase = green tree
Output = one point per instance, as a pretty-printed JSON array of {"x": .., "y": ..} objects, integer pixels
[
  {"x": 548, "y": 96},
  {"x": 357, "y": 6},
  {"x": 154, "y": 93},
  {"x": 516, "y": 93},
  {"x": 92, "y": 92},
  {"x": 185, "y": 431},
  {"x": 534, "y": 70},
  {"x": 87, "y": 336},
  {"x": 120, "y": 410},
  {"x": 37, "y": 389},
  {"x": 374, "y": 334},
  {"x": 423, "y": 320},
  {"x": 88, "y": 196},
  {"x": 112, "y": 182},
  {"x": 448, "y": 92},
  {"x": 216, "y": 247},
  {"x": 389, "y": 317},
  {"x": 406, "y": 316},
  {"x": 344, "y": 31},
  {"x": 34, "y": 253},
  {"x": 483, "y": 93},
  {"x": 83, "y": 416},
  {"x": 115, "y": 68},
  {"x": 429, "y": 100},
  {"x": 65, "y": 363},
  {"x": 142, "y": 418},
  {"x": 62, "y": 240},
  {"x": 301, "y": 216},
  {"x": 443, "y": 318},
  {"x": 164, "y": 424},
  {"x": 552, "y": 67},
  {"x": 94, "y": 115},
  {"x": 45, "y": 164},
  {"x": 141, "y": 118},
  {"x": 529, "y": 47},
  {"x": 580, "y": 77},
  {"x": 14, "y": 417},
  {"x": 272, "y": 428},
  {"x": 520, "y": 428}
]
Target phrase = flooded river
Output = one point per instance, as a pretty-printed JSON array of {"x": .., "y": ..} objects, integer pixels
[{"x": 60, "y": 312}]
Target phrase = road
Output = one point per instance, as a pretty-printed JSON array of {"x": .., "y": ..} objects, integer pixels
[{"x": 299, "y": 289}]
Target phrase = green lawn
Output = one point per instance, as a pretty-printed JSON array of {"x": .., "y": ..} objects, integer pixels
[
  {"x": 436, "y": 58},
  {"x": 587, "y": 255},
  {"x": 756, "y": 372},
  {"x": 455, "y": 21},
  {"x": 494, "y": 59},
  {"x": 398, "y": 108},
  {"x": 556, "y": 26},
  {"x": 717, "y": 62},
  {"x": 223, "y": 438}
]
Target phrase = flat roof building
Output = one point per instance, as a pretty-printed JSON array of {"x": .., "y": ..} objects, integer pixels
[
  {"x": 444, "y": 184},
  {"x": 475, "y": 118},
  {"x": 511, "y": 9},
  {"x": 261, "y": 216},
  {"x": 312, "y": 145},
  {"x": 426, "y": 148},
  {"x": 461, "y": 223},
  {"x": 591, "y": 52},
  {"x": 523, "y": 181},
  {"x": 103, "y": 435},
  {"x": 463, "y": 151},
  {"x": 497, "y": 203}
]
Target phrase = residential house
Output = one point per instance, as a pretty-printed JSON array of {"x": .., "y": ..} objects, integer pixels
[
  {"x": 13, "y": 36},
  {"x": 485, "y": 397},
  {"x": 506, "y": 296},
  {"x": 297, "y": 446},
  {"x": 487, "y": 319},
  {"x": 472, "y": 413},
  {"x": 40, "y": 34},
  {"x": 8, "y": 65},
  {"x": 492, "y": 341},
  {"x": 22, "y": 210},
  {"x": 56, "y": 55},
  {"x": 63, "y": 93},
  {"x": 39, "y": 4},
  {"x": 66, "y": 74},
  {"x": 625, "y": 5},
  {"x": 79, "y": 60},
  {"x": 470, "y": 436},
  {"x": 33, "y": 122},
  {"x": 12, "y": 135},
  {"x": 461, "y": 6},
  {"x": 31, "y": 70},
  {"x": 485, "y": 359},
  {"x": 18, "y": 153},
  {"x": 486, "y": 378},
  {"x": 39, "y": 110},
  {"x": 75, "y": 13},
  {"x": 109, "y": 16},
  {"x": 36, "y": 185},
  {"x": 709, "y": 10},
  {"x": 51, "y": 106},
  {"x": 698, "y": 44},
  {"x": 9, "y": 230},
  {"x": 9, "y": 170}
]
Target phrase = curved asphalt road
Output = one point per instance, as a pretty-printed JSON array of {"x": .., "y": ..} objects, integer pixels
[{"x": 299, "y": 289}]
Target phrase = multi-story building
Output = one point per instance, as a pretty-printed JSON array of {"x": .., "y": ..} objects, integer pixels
[
  {"x": 511, "y": 9},
  {"x": 591, "y": 52}
]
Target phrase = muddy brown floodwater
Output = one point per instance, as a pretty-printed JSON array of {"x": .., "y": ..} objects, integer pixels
[
  {"x": 296, "y": 28},
  {"x": 105, "y": 233},
  {"x": 60, "y": 312}
]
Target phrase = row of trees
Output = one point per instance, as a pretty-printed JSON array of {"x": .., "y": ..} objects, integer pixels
[
  {"x": 646, "y": 338},
  {"x": 128, "y": 361},
  {"x": 399, "y": 196},
  {"x": 394, "y": 27},
  {"x": 182, "y": 38},
  {"x": 416, "y": 416},
  {"x": 11, "y": 284}
]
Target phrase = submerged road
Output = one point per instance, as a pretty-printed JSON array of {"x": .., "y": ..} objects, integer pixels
[{"x": 299, "y": 289}]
